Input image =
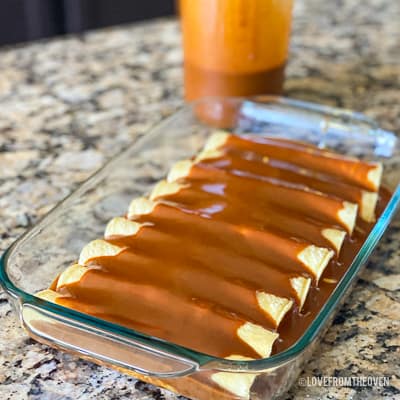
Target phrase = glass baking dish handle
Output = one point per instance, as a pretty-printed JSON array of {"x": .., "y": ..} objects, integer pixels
[
  {"x": 96, "y": 344},
  {"x": 322, "y": 125}
]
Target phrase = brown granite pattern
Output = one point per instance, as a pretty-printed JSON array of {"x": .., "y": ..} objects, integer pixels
[{"x": 67, "y": 105}]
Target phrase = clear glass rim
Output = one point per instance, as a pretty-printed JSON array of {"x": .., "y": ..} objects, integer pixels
[{"x": 205, "y": 361}]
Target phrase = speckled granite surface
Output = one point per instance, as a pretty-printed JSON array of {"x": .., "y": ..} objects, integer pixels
[{"x": 69, "y": 104}]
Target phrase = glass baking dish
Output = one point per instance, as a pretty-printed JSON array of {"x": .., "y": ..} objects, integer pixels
[{"x": 34, "y": 260}]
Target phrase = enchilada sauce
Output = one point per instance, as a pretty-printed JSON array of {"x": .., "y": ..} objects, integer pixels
[{"x": 191, "y": 274}]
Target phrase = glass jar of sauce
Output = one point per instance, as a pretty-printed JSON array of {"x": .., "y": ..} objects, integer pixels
[{"x": 234, "y": 47}]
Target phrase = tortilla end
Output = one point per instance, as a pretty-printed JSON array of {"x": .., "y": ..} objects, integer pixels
[
  {"x": 179, "y": 170},
  {"x": 258, "y": 338},
  {"x": 276, "y": 307},
  {"x": 98, "y": 248},
  {"x": 315, "y": 259},
  {"x": 301, "y": 286},
  {"x": 368, "y": 205},
  {"x": 216, "y": 140},
  {"x": 335, "y": 237},
  {"x": 208, "y": 154},
  {"x": 164, "y": 188},
  {"x": 374, "y": 176},
  {"x": 47, "y": 294},
  {"x": 140, "y": 206},
  {"x": 72, "y": 274},
  {"x": 348, "y": 215},
  {"x": 237, "y": 383},
  {"x": 120, "y": 226}
]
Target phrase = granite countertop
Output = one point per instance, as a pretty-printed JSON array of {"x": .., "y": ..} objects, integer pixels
[{"x": 67, "y": 105}]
